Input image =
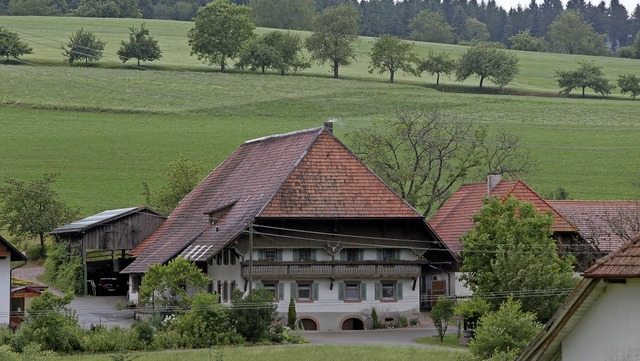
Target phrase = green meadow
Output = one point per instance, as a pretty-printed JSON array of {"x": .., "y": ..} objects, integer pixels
[
  {"x": 107, "y": 128},
  {"x": 278, "y": 353}
]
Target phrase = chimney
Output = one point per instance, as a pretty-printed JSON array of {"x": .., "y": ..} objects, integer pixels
[
  {"x": 329, "y": 126},
  {"x": 492, "y": 181}
]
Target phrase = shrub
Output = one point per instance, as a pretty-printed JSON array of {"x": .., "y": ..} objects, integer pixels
[
  {"x": 292, "y": 316},
  {"x": 281, "y": 334},
  {"x": 167, "y": 340},
  {"x": 375, "y": 322},
  {"x": 203, "y": 324},
  {"x": 115, "y": 339},
  {"x": 63, "y": 269},
  {"x": 253, "y": 322},
  {"x": 145, "y": 332},
  {"x": 471, "y": 310},
  {"x": 441, "y": 313},
  {"x": 402, "y": 322},
  {"x": 628, "y": 52},
  {"x": 414, "y": 321},
  {"x": 507, "y": 330},
  {"x": 34, "y": 252}
]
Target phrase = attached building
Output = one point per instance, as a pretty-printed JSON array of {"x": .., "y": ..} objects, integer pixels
[
  {"x": 8, "y": 254},
  {"x": 300, "y": 215}
]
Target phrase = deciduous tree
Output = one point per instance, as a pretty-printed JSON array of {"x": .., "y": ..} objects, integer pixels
[
  {"x": 166, "y": 284},
  {"x": 431, "y": 26},
  {"x": 422, "y": 156},
  {"x": 476, "y": 30},
  {"x": 275, "y": 50},
  {"x": 141, "y": 46},
  {"x": 334, "y": 37},
  {"x": 437, "y": 63},
  {"x": 109, "y": 9},
  {"x": 283, "y": 14},
  {"x": 509, "y": 250},
  {"x": 11, "y": 46},
  {"x": 390, "y": 53},
  {"x": 441, "y": 314},
  {"x": 526, "y": 42},
  {"x": 221, "y": 28},
  {"x": 32, "y": 208},
  {"x": 629, "y": 83},
  {"x": 588, "y": 75},
  {"x": 570, "y": 34},
  {"x": 83, "y": 45},
  {"x": 490, "y": 61},
  {"x": 253, "y": 314}
]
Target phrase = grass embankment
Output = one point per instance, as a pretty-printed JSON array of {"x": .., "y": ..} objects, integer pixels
[
  {"x": 106, "y": 130},
  {"x": 450, "y": 340},
  {"x": 279, "y": 353}
]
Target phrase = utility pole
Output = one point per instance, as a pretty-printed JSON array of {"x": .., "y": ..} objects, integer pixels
[{"x": 250, "y": 256}]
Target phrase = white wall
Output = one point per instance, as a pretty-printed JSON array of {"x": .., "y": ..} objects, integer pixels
[
  {"x": 460, "y": 289},
  {"x": 226, "y": 273},
  {"x": 610, "y": 330},
  {"x": 5, "y": 290}
]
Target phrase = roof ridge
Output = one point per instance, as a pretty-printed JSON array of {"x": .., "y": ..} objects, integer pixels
[
  {"x": 316, "y": 129},
  {"x": 575, "y": 228},
  {"x": 601, "y": 261}
]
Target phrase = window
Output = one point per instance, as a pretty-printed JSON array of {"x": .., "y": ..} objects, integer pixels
[
  {"x": 352, "y": 254},
  {"x": 352, "y": 291},
  {"x": 271, "y": 286},
  {"x": 388, "y": 254},
  {"x": 305, "y": 292},
  {"x": 225, "y": 257},
  {"x": 388, "y": 290},
  {"x": 304, "y": 254},
  {"x": 270, "y": 255}
]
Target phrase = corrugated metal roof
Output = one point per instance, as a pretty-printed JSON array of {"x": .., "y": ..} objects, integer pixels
[
  {"x": 98, "y": 219},
  {"x": 455, "y": 217}
]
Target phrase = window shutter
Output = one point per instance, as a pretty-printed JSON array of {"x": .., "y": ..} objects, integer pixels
[
  {"x": 296, "y": 255},
  {"x": 343, "y": 255},
  {"x": 363, "y": 291},
  {"x": 396, "y": 254},
  {"x": 360, "y": 254},
  {"x": 399, "y": 290},
  {"x": 341, "y": 291},
  {"x": 294, "y": 293},
  {"x": 261, "y": 255},
  {"x": 316, "y": 293},
  {"x": 280, "y": 291},
  {"x": 378, "y": 291},
  {"x": 279, "y": 255},
  {"x": 379, "y": 254},
  {"x": 314, "y": 255}
]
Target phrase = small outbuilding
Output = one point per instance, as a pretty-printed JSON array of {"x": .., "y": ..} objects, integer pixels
[
  {"x": 8, "y": 254},
  {"x": 105, "y": 239}
]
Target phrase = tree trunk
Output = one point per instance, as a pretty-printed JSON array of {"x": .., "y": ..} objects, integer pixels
[
  {"x": 583, "y": 91},
  {"x": 391, "y": 76},
  {"x": 42, "y": 242},
  {"x": 263, "y": 69},
  {"x": 222, "y": 65},
  {"x": 438, "y": 79},
  {"x": 481, "y": 80},
  {"x": 335, "y": 68},
  {"x": 138, "y": 62}
]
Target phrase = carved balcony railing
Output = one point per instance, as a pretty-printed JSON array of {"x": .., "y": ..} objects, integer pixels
[{"x": 336, "y": 269}]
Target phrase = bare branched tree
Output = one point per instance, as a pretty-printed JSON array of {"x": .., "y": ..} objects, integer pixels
[{"x": 424, "y": 155}]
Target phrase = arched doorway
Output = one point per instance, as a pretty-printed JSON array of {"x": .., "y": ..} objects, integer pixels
[
  {"x": 309, "y": 324},
  {"x": 352, "y": 323}
]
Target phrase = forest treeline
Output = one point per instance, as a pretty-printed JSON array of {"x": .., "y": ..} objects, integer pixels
[{"x": 464, "y": 20}]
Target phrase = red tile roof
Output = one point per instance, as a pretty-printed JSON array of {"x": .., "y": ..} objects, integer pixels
[
  {"x": 607, "y": 224},
  {"x": 623, "y": 263},
  {"x": 455, "y": 217},
  {"x": 306, "y": 174},
  {"x": 331, "y": 182}
]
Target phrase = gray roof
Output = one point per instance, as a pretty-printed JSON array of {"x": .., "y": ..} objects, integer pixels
[{"x": 99, "y": 219}]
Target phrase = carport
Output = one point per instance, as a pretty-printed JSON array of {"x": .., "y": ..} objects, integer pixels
[{"x": 105, "y": 239}]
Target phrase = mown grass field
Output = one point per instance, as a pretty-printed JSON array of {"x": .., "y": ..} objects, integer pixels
[
  {"x": 107, "y": 128},
  {"x": 279, "y": 353}
]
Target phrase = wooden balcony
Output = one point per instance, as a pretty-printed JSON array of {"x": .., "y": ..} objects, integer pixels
[{"x": 335, "y": 269}]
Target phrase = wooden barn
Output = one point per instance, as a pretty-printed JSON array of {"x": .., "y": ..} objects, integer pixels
[{"x": 105, "y": 239}]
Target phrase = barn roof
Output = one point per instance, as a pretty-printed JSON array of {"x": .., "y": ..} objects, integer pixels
[
  {"x": 622, "y": 263},
  {"x": 99, "y": 219},
  {"x": 305, "y": 174},
  {"x": 605, "y": 223},
  {"x": 455, "y": 217}
]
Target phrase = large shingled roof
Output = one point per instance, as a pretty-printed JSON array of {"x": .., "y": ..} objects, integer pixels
[
  {"x": 455, "y": 217},
  {"x": 305, "y": 174},
  {"x": 622, "y": 263},
  {"x": 605, "y": 223}
]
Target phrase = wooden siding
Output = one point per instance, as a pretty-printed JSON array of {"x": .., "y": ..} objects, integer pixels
[{"x": 124, "y": 233}]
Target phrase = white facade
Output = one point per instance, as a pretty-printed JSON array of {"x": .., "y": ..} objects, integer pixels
[
  {"x": 5, "y": 290},
  {"x": 609, "y": 330}
]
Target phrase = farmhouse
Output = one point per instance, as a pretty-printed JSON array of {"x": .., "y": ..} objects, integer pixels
[
  {"x": 104, "y": 239},
  {"x": 8, "y": 254},
  {"x": 599, "y": 321},
  {"x": 300, "y": 215}
]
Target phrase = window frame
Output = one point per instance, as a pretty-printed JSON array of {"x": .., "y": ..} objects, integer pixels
[
  {"x": 308, "y": 284},
  {"x": 393, "y": 285},
  {"x": 267, "y": 255},
  {"x": 275, "y": 284},
  {"x": 346, "y": 288},
  {"x": 307, "y": 252}
]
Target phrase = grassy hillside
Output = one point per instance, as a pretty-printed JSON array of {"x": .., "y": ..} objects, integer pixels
[{"x": 105, "y": 130}]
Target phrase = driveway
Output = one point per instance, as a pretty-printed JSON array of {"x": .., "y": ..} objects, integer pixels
[{"x": 102, "y": 311}]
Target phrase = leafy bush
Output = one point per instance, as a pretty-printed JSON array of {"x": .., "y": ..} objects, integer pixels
[
  {"x": 63, "y": 270},
  {"x": 31, "y": 352},
  {"x": 414, "y": 321},
  {"x": 145, "y": 332},
  {"x": 34, "y": 251},
  {"x": 168, "y": 340},
  {"x": 51, "y": 323},
  {"x": 204, "y": 323},
  {"x": 507, "y": 330},
  {"x": 471, "y": 310},
  {"x": 101, "y": 339},
  {"x": 281, "y": 334},
  {"x": 628, "y": 52},
  {"x": 253, "y": 322},
  {"x": 402, "y": 322},
  {"x": 441, "y": 313},
  {"x": 375, "y": 322}
]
